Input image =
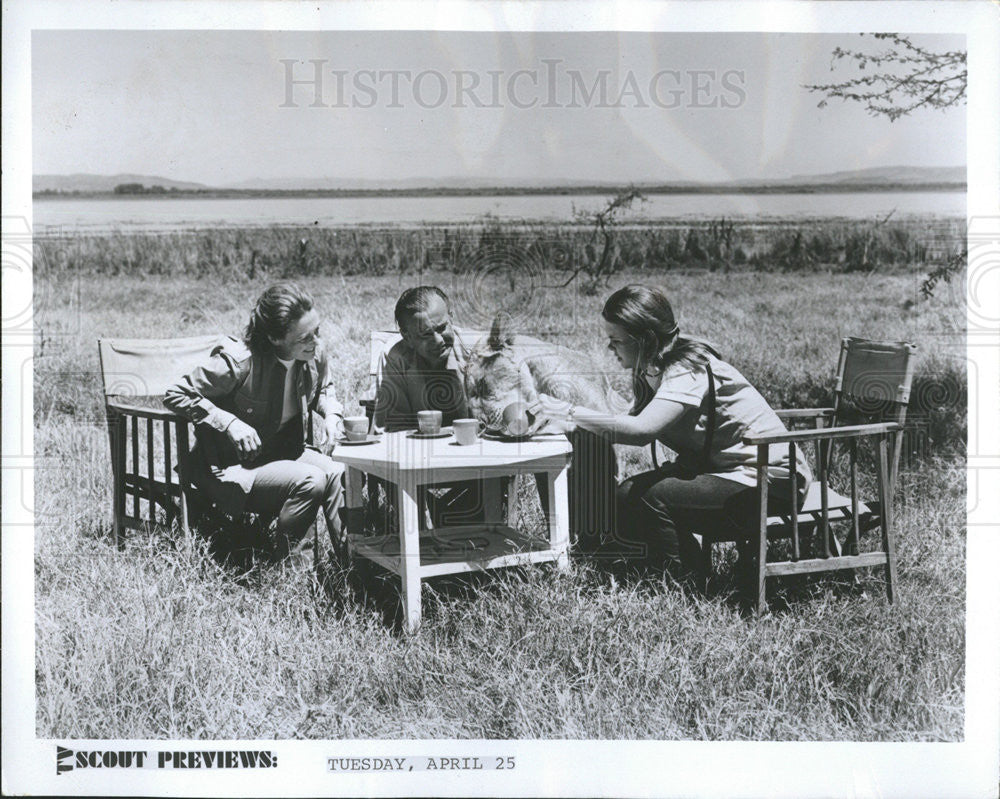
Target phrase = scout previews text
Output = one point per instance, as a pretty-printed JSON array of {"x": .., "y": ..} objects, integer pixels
[{"x": 68, "y": 759}]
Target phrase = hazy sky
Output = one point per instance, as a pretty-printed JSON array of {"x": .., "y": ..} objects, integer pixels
[{"x": 207, "y": 106}]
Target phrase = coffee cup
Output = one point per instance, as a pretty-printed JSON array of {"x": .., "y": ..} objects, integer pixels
[
  {"x": 356, "y": 428},
  {"x": 467, "y": 431},
  {"x": 429, "y": 422}
]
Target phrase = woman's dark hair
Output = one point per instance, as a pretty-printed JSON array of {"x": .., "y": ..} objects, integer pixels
[
  {"x": 647, "y": 317},
  {"x": 275, "y": 311},
  {"x": 416, "y": 300}
]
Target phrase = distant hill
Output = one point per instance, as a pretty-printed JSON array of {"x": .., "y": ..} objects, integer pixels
[
  {"x": 894, "y": 176},
  {"x": 340, "y": 184},
  {"x": 891, "y": 175},
  {"x": 884, "y": 174},
  {"x": 83, "y": 182}
]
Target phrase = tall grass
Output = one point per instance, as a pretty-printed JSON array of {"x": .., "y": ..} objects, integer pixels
[
  {"x": 716, "y": 245},
  {"x": 158, "y": 640}
]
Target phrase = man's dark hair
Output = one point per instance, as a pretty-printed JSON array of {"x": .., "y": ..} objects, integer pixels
[{"x": 413, "y": 301}]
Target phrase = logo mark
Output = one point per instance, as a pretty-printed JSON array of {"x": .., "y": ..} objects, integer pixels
[{"x": 64, "y": 760}]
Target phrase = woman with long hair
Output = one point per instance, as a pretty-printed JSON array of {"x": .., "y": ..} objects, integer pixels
[
  {"x": 251, "y": 404},
  {"x": 696, "y": 404}
]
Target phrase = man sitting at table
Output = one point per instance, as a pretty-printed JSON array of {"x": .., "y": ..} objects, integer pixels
[{"x": 424, "y": 372}]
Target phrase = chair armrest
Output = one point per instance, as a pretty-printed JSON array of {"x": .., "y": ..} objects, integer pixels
[
  {"x": 138, "y": 407},
  {"x": 803, "y": 413},
  {"x": 801, "y": 436},
  {"x": 369, "y": 408}
]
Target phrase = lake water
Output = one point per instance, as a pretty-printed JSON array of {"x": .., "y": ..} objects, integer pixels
[{"x": 55, "y": 216}]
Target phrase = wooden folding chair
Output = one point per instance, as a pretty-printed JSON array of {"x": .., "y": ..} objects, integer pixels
[
  {"x": 135, "y": 374},
  {"x": 381, "y": 342},
  {"x": 873, "y": 384}
]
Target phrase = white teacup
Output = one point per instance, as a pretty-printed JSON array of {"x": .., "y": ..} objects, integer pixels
[
  {"x": 467, "y": 431},
  {"x": 429, "y": 422},
  {"x": 356, "y": 428}
]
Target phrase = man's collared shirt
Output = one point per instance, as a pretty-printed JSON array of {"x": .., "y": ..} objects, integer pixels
[{"x": 408, "y": 385}]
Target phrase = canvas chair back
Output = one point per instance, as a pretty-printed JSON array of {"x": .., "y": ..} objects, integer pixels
[
  {"x": 873, "y": 380},
  {"x": 148, "y": 367},
  {"x": 381, "y": 342}
]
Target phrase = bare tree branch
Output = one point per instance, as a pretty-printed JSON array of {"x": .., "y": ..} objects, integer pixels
[{"x": 905, "y": 77}]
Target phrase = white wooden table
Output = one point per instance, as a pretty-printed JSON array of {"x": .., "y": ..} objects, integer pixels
[{"x": 411, "y": 463}]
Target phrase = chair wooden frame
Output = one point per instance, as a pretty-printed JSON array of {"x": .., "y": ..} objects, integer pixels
[
  {"x": 874, "y": 374},
  {"x": 832, "y": 508}
]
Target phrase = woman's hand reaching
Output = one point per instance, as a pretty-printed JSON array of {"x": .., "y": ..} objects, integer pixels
[{"x": 551, "y": 413}]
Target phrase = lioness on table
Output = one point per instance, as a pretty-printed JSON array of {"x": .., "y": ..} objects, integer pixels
[{"x": 504, "y": 368}]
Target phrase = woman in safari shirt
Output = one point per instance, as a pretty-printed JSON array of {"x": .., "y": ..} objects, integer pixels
[
  {"x": 250, "y": 402},
  {"x": 699, "y": 406}
]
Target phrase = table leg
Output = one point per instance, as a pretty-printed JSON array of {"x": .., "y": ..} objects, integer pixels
[
  {"x": 355, "y": 504},
  {"x": 541, "y": 483},
  {"x": 493, "y": 499},
  {"x": 409, "y": 552},
  {"x": 558, "y": 497},
  {"x": 512, "y": 501}
]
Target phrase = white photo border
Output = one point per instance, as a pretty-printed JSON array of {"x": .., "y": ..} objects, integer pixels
[{"x": 545, "y": 768}]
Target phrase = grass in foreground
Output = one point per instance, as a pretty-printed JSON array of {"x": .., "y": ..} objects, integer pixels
[{"x": 170, "y": 645}]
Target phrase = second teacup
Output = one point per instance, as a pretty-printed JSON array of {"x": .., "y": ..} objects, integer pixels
[
  {"x": 356, "y": 427},
  {"x": 429, "y": 422},
  {"x": 467, "y": 431}
]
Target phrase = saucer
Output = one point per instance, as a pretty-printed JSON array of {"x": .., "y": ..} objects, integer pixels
[
  {"x": 490, "y": 436},
  {"x": 445, "y": 432},
  {"x": 369, "y": 439}
]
